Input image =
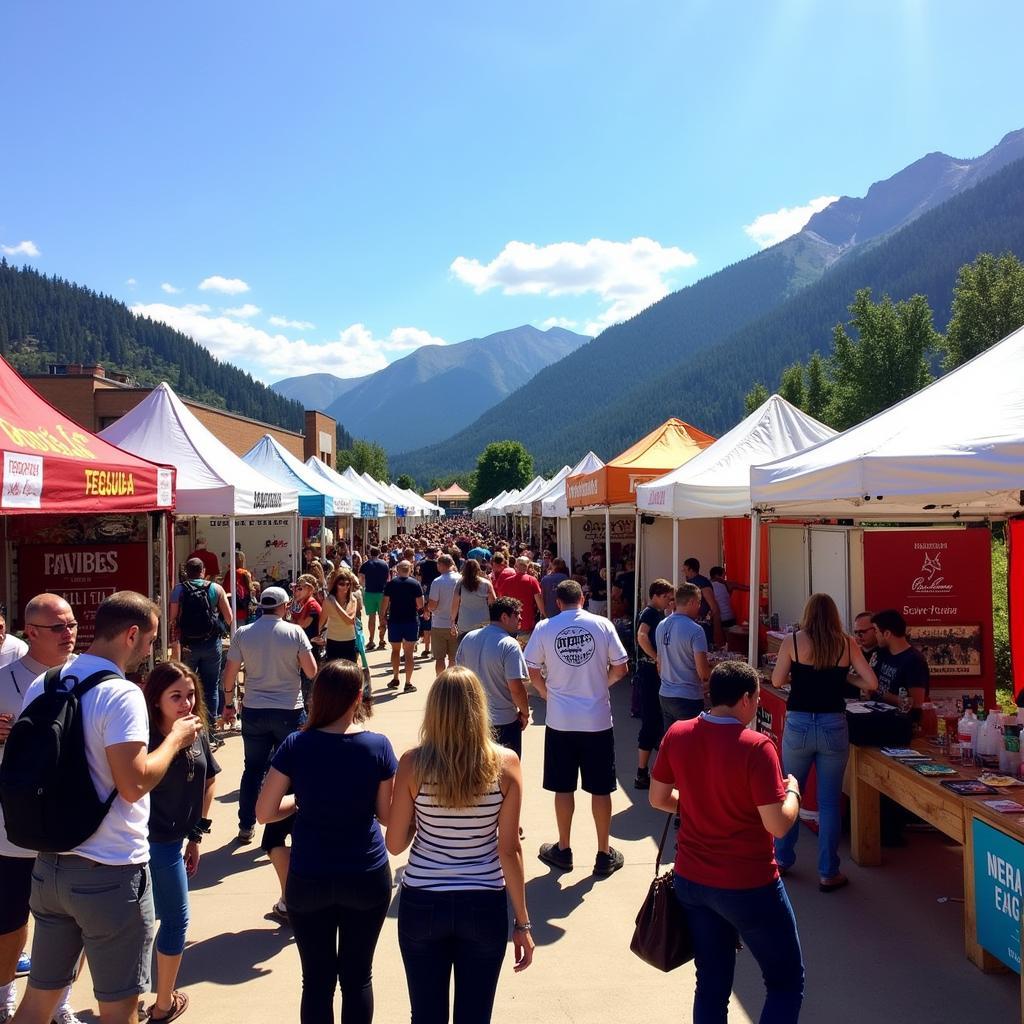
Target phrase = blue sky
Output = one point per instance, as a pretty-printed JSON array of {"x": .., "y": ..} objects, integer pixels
[{"x": 326, "y": 185}]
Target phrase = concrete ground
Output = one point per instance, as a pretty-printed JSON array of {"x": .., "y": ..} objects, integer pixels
[{"x": 887, "y": 948}]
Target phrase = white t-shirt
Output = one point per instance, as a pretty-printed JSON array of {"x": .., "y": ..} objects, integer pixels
[
  {"x": 15, "y": 680},
  {"x": 113, "y": 712},
  {"x": 575, "y": 650},
  {"x": 12, "y": 649}
]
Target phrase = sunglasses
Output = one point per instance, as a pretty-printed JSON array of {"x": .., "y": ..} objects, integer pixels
[
  {"x": 58, "y": 628},
  {"x": 863, "y": 632}
]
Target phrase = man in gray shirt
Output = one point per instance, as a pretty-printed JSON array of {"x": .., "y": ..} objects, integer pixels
[
  {"x": 274, "y": 653},
  {"x": 494, "y": 654},
  {"x": 443, "y": 634},
  {"x": 682, "y": 648}
]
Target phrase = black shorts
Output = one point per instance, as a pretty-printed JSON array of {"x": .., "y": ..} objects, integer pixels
[
  {"x": 16, "y": 886},
  {"x": 570, "y": 757}
]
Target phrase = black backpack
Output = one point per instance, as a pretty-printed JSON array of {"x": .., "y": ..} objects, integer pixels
[
  {"x": 197, "y": 618},
  {"x": 49, "y": 801}
]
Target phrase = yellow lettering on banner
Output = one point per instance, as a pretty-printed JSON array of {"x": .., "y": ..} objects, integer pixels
[
  {"x": 73, "y": 445},
  {"x": 105, "y": 483}
]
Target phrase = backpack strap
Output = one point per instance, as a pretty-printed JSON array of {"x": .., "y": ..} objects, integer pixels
[
  {"x": 83, "y": 686},
  {"x": 52, "y": 678}
]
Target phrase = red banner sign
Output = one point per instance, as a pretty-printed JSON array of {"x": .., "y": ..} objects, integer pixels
[
  {"x": 83, "y": 574},
  {"x": 941, "y": 582}
]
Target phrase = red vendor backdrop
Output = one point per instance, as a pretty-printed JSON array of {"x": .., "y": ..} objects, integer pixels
[
  {"x": 941, "y": 581},
  {"x": 83, "y": 574}
]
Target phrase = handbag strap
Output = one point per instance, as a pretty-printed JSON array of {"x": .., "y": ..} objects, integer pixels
[{"x": 661, "y": 845}]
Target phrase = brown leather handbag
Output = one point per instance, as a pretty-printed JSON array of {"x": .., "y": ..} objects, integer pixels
[{"x": 662, "y": 936}]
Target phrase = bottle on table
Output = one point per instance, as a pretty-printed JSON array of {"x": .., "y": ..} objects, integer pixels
[{"x": 967, "y": 730}]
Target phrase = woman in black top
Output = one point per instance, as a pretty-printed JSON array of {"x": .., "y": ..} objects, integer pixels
[
  {"x": 179, "y": 811},
  {"x": 816, "y": 661},
  {"x": 661, "y": 596}
]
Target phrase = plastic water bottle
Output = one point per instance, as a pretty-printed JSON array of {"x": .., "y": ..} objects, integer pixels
[{"x": 968, "y": 733}]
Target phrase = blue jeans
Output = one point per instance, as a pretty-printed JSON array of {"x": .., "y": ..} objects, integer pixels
[
  {"x": 679, "y": 709},
  {"x": 440, "y": 931},
  {"x": 170, "y": 896},
  {"x": 263, "y": 731},
  {"x": 204, "y": 658},
  {"x": 824, "y": 741},
  {"x": 763, "y": 918}
]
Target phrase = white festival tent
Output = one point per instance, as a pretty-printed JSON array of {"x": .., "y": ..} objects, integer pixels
[
  {"x": 389, "y": 523},
  {"x": 551, "y": 490},
  {"x": 557, "y": 505},
  {"x": 953, "y": 450},
  {"x": 504, "y": 507},
  {"x": 359, "y": 493},
  {"x": 486, "y": 508},
  {"x": 528, "y": 495},
  {"x": 211, "y": 479}
]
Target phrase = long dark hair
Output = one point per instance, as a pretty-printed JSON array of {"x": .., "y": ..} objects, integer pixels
[
  {"x": 164, "y": 676},
  {"x": 336, "y": 687},
  {"x": 471, "y": 575}
]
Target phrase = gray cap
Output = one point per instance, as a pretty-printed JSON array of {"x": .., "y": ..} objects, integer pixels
[{"x": 273, "y": 597}]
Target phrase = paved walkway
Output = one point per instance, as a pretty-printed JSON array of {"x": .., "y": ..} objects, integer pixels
[{"x": 883, "y": 950}]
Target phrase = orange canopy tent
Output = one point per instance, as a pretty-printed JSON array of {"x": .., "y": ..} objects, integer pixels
[{"x": 615, "y": 483}]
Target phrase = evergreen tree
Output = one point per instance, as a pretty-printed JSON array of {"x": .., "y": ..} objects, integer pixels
[
  {"x": 365, "y": 457},
  {"x": 819, "y": 390},
  {"x": 756, "y": 397},
  {"x": 791, "y": 387}
]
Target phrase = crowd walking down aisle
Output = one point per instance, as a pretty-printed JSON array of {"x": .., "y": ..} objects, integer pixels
[{"x": 399, "y": 840}]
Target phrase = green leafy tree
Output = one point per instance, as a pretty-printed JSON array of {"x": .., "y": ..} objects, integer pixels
[
  {"x": 365, "y": 457},
  {"x": 406, "y": 482},
  {"x": 501, "y": 466},
  {"x": 883, "y": 361},
  {"x": 791, "y": 387},
  {"x": 988, "y": 304},
  {"x": 818, "y": 390},
  {"x": 756, "y": 397}
]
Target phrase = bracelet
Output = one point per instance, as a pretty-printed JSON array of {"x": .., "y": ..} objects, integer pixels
[
  {"x": 799, "y": 799},
  {"x": 523, "y": 926}
]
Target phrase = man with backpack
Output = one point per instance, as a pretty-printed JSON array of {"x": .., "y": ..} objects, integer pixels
[
  {"x": 51, "y": 630},
  {"x": 200, "y": 615},
  {"x": 83, "y": 802}
]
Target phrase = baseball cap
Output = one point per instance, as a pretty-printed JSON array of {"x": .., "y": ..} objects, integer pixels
[{"x": 273, "y": 597}]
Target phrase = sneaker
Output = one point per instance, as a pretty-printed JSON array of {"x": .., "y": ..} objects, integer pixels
[
  {"x": 370, "y": 647},
  {"x": 394, "y": 684},
  {"x": 24, "y": 965},
  {"x": 643, "y": 779},
  {"x": 409, "y": 688},
  {"x": 245, "y": 835},
  {"x": 382, "y": 646},
  {"x": 552, "y": 854},
  {"x": 607, "y": 863},
  {"x": 65, "y": 1015}
]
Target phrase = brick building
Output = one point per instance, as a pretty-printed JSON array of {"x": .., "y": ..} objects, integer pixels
[{"x": 95, "y": 399}]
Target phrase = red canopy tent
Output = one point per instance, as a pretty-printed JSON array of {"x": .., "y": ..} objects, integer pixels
[{"x": 51, "y": 464}]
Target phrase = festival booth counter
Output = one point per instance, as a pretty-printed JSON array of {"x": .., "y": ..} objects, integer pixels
[
  {"x": 612, "y": 487},
  {"x": 367, "y": 506},
  {"x": 935, "y": 469},
  {"x": 80, "y": 515},
  {"x": 213, "y": 484}
]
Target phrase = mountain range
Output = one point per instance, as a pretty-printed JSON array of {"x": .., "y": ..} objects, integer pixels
[
  {"x": 695, "y": 353},
  {"x": 436, "y": 390}
]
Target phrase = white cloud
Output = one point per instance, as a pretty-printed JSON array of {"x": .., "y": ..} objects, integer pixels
[
  {"x": 770, "y": 228},
  {"x": 25, "y": 248},
  {"x": 170, "y": 289},
  {"x": 628, "y": 276},
  {"x": 558, "y": 321},
  {"x": 227, "y": 285},
  {"x": 295, "y": 325},
  {"x": 244, "y": 312},
  {"x": 271, "y": 357},
  {"x": 131, "y": 282}
]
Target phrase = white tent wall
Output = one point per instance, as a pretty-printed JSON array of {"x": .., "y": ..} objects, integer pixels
[
  {"x": 695, "y": 538},
  {"x": 563, "y": 535},
  {"x": 268, "y": 543}
]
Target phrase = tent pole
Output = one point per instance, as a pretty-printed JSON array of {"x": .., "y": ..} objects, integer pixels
[
  {"x": 163, "y": 519},
  {"x": 608, "y": 559},
  {"x": 675, "y": 551},
  {"x": 231, "y": 573},
  {"x": 636, "y": 575},
  {"x": 755, "y": 586}
]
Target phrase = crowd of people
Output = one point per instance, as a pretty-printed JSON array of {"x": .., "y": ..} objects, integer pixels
[{"x": 499, "y": 620}]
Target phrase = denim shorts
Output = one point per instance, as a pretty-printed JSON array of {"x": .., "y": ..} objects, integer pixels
[{"x": 105, "y": 908}]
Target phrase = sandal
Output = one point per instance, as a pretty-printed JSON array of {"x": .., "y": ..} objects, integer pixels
[
  {"x": 179, "y": 1004},
  {"x": 279, "y": 912}
]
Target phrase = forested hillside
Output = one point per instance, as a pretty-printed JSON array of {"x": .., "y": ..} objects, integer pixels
[
  {"x": 702, "y": 369},
  {"x": 47, "y": 319}
]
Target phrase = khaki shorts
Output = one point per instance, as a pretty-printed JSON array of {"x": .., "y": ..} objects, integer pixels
[{"x": 443, "y": 644}]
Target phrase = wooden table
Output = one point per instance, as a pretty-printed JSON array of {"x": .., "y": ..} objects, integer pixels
[{"x": 871, "y": 773}]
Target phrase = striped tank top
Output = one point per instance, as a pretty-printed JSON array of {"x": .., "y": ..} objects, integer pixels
[{"x": 455, "y": 848}]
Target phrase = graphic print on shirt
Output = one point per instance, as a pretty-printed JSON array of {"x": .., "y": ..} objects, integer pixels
[{"x": 575, "y": 645}]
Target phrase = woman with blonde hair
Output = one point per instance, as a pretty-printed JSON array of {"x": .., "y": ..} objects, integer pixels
[
  {"x": 816, "y": 661},
  {"x": 457, "y": 799},
  {"x": 338, "y": 615}
]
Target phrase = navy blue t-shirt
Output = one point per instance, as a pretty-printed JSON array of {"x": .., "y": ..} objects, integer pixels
[
  {"x": 402, "y": 592},
  {"x": 375, "y": 571},
  {"x": 335, "y": 777}
]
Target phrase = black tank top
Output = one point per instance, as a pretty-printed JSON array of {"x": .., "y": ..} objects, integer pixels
[{"x": 818, "y": 691}]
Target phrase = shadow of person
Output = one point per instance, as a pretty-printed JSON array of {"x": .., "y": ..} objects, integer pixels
[
  {"x": 232, "y": 958},
  {"x": 219, "y": 864},
  {"x": 548, "y": 901}
]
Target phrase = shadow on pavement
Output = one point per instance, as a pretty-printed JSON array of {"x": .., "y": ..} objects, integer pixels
[
  {"x": 217, "y": 865},
  {"x": 233, "y": 958},
  {"x": 548, "y": 901}
]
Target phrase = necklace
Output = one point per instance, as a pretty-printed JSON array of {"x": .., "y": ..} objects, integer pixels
[{"x": 190, "y": 763}]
